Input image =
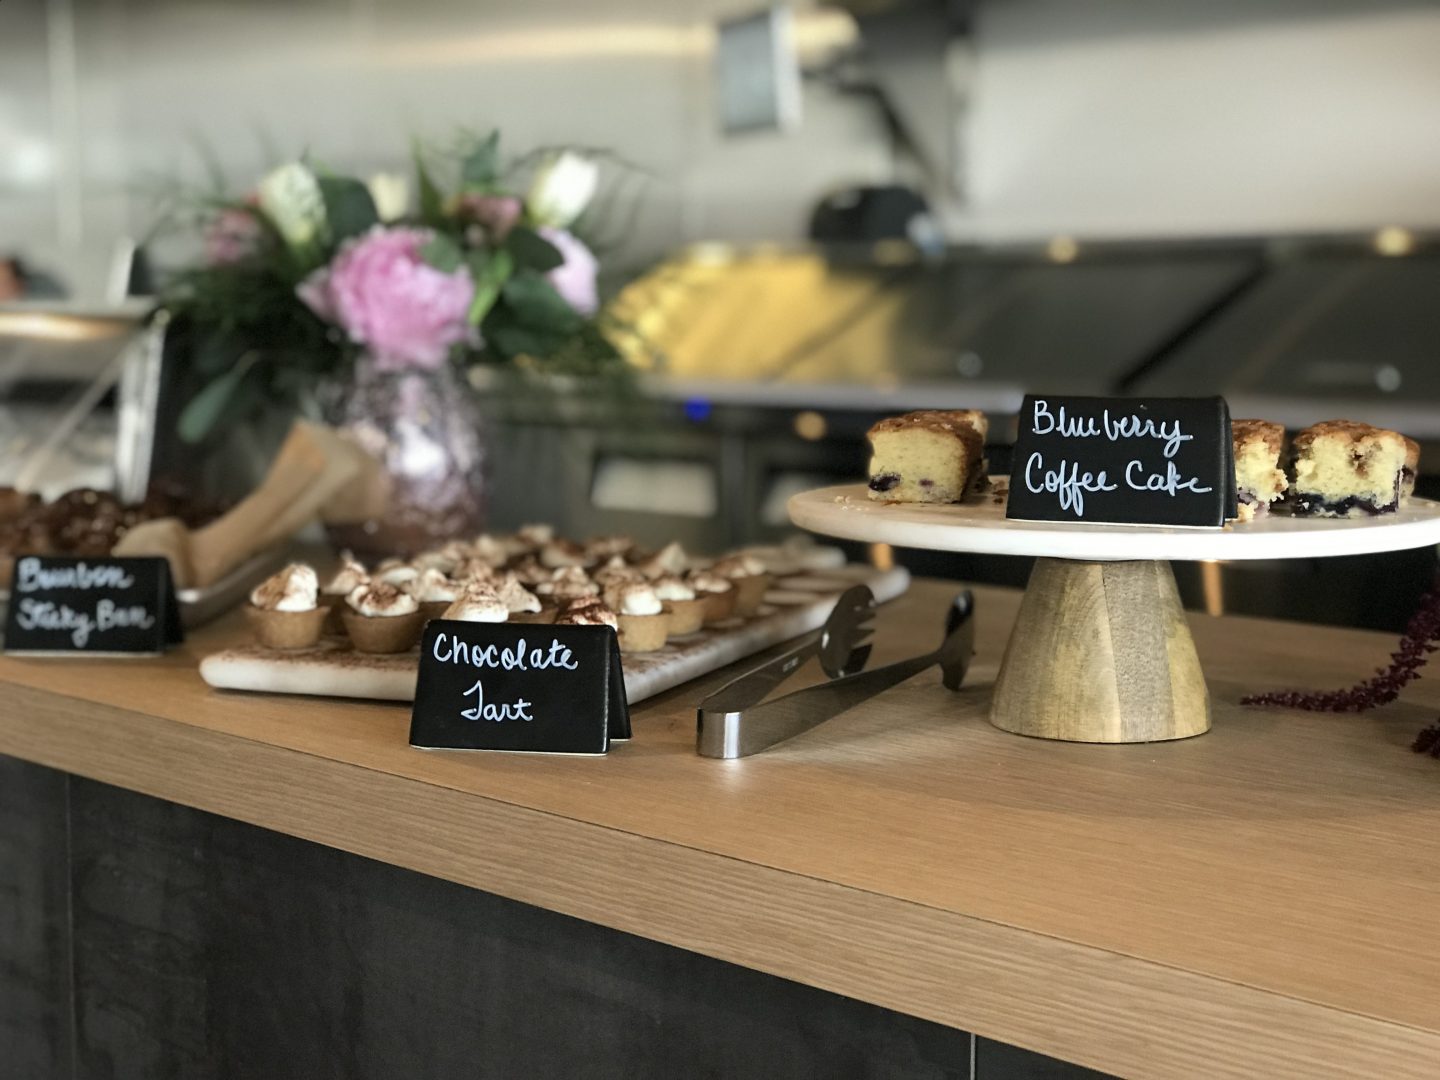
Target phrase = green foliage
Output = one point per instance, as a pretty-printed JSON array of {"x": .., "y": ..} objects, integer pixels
[
  {"x": 480, "y": 171},
  {"x": 533, "y": 321},
  {"x": 205, "y": 410},
  {"x": 490, "y": 272},
  {"x": 533, "y": 251},
  {"x": 432, "y": 203},
  {"x": 537, "y": 305},
  {"x": 443, "y": 253},
  {"x": 349, "y": 209}
]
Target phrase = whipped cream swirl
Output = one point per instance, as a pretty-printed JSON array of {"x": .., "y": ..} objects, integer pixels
[
  {"x": 348, "y": 578},
  {"x": 381, "y": 600},
  {"x": 296, "y": 588},
  {"x": 478, "y": 603},
  {"x": 633, "y": 598}
]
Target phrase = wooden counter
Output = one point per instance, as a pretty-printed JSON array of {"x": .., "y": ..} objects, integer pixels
[{"x": 1256, "y": 901}]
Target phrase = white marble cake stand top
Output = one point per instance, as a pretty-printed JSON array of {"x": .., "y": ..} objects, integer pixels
[{"x": 980, "y": 527}]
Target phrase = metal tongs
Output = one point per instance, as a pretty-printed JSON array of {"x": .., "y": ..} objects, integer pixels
[{"x": 734, "y": 724}]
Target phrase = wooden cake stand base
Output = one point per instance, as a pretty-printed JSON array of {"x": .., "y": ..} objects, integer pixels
[{"x": 1101, "y": 653}]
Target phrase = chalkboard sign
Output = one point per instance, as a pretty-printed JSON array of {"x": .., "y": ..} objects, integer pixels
[
  {"x": 98, "y": 606},
  {"x": 519, "y": 687},
  {"x": 1123, "y": 461}
]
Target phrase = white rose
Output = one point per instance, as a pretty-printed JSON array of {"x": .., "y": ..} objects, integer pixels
[
  {"x": 391, "y": 194},
  {"x": 290, "y": 197},
  {"x": 562, "y": 189}
]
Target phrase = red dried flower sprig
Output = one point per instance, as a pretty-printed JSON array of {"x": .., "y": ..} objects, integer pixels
[{"x": 1421, "y": 638}]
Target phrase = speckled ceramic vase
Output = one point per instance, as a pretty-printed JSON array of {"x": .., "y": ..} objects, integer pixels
[{"x": 428, "y": 430}]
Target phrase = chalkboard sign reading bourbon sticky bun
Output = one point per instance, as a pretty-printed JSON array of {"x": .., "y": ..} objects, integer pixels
[
  {"x": 519, "y": 687},
  {"x": 1123, "y": 461},
  {"x": 107, "y": 605}
]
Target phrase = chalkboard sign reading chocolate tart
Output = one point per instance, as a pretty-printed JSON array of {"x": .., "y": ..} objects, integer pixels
[{"x": 528, "y": 688}]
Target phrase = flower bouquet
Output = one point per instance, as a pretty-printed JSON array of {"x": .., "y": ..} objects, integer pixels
[
  {"x": 320, "y": 293},
  {"x": 315, "y": 272}
]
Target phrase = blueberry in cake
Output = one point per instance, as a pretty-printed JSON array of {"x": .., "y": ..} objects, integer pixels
[
  {"x": 932, "y": 456},
  {"x": 1259, "y": 480},
  {"x": 1345, "y": 469}
]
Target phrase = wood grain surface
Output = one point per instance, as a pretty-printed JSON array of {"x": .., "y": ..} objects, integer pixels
[
  {"x": 1253, "y": 902},
  {"x": 1101, "y": 653}
]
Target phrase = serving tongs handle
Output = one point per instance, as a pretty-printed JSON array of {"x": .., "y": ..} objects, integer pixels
[
  {"x": 745, "y": 690},
  {"x": 740, "y": 732}
]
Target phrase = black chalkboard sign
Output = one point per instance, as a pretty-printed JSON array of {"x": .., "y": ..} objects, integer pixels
[
  {"x": 91, "y": 606},
  {"x": 519, "y": 687},
  {"x": 1123, "y": 461}
]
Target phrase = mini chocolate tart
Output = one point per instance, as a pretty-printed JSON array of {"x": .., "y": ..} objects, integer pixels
[
  {"x": 384, "y": 633},
  {"x": 286, "y": 629},
  {"x": 750, "y": 593},
  {"x": 719, "y": 606},
  {"x": 643, "y": 633},
  {"x": 686, "y": 616}
]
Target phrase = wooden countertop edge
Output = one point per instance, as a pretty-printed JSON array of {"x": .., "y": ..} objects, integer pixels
[{"x": 1114, "y": 1012}]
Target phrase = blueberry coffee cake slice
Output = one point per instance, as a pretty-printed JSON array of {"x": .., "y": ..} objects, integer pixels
[
  {"x": 1412, "y": 467},
  {"x": 931, "y": 456},
  {"x": 1347, "y": 469},
  {"x": 1259, "y": 480}
]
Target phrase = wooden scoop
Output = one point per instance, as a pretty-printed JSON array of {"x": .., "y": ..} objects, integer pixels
[{"x": 313, "y": 464}]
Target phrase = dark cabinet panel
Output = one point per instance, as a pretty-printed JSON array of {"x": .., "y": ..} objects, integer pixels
[
  {"x": 202, "y": 947},
  {"x": 34, "y": 923},
  {"x": 208, "y": 948}
]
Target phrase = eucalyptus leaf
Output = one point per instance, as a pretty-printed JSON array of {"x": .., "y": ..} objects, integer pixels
[
  {"x": 432, "y": 202},
  {"x": 206, "y": 409},
  {"x": 490, "y": 279},
  {"x": 533, "y": 251},
  {"x": 214, "y": 352},
  {"x": 479, "y": 261},
  {"x": 443, "y": 253},
  {"x": 510, "y": 340},
  {"x": 537, "y": 305},
  {"x": 349, "y": 208},
  {"x": 481, "y": 167}
]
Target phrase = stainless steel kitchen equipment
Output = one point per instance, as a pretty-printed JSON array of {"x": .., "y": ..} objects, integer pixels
[
  {"x": 78, "y": 394},
  {"x": 766, "y": 367}
]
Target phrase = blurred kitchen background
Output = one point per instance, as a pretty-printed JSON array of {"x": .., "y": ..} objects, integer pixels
[{"x": 830, "y": 212}]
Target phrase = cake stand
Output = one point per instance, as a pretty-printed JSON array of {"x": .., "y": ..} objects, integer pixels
[{"x": 1101, "y": 651}]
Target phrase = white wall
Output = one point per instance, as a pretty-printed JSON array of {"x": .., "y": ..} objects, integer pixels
[
  {"x": 1122, "y": 117},
  {"x": 1086, "y": 117},
  {"x": 353, "y": 80}
]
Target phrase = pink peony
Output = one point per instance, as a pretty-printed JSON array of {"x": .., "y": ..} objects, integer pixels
[
  {"x": 574, "y": 279},
  {"x": 231, "y": 237},
  {"x": 379, "y": 290}
]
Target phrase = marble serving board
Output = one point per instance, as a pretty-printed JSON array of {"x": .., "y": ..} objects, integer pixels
[{"x": 794, "y": 605}]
